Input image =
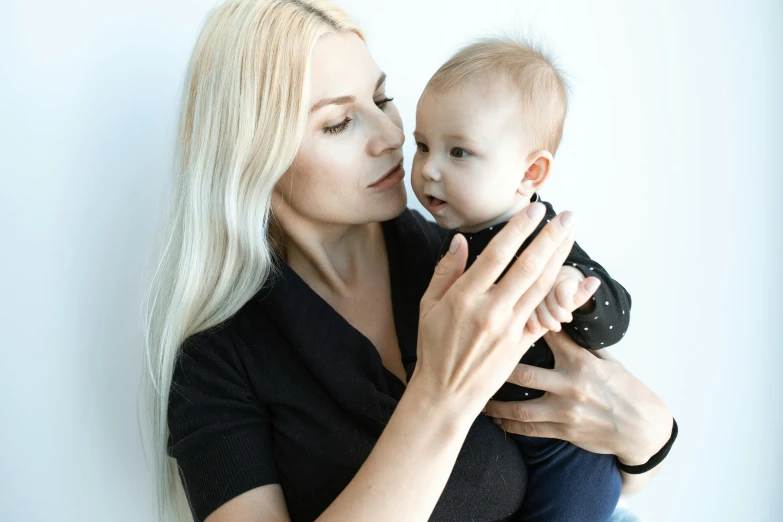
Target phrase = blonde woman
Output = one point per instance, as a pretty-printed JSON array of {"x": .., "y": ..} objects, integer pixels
[{"x": 305, "y": 363}]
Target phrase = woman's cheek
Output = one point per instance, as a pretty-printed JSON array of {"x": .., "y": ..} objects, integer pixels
[{"x": 338, "y": 161}]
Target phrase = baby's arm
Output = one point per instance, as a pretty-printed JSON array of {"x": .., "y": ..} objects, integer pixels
[
  {"x": 595, "y": 326},
  {"x": 606, "y": 322}
]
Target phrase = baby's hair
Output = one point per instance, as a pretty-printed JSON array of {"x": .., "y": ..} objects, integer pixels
[{"x": 525, "y": 70}]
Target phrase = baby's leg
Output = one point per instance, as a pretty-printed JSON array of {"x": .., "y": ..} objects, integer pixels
[{"x": 567, "y": 483}]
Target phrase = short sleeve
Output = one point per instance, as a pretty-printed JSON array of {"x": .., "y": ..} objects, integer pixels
[{"x": 219, "y": 431}]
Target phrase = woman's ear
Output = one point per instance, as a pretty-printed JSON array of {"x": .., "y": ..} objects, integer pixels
[{"x": 538, "y": 165}]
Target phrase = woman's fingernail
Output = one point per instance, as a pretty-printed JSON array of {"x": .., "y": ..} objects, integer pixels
[
  {"x": 592, "y": 284},
  {"x": 496, "y": 421},
  {"x": 454, "y": 244},
  {"x": 535, "y": 211},
  {"x": 567, "y": 219}
]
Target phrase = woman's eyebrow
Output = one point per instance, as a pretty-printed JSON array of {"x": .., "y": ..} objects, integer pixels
[
  {"x": 342, "y": 100},
  {"x": 381, "y": 79}
]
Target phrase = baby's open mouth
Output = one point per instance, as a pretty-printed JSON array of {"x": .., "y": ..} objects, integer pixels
[{"x": 434, "y": 204}]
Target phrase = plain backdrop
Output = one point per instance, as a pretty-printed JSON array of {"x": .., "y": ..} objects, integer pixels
[{"x": 671, "y": 159}]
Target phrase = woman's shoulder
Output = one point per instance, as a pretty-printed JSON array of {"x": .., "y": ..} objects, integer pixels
[
  {"x": 225, "y": 346},
  {"x": 202, "y": 355}
]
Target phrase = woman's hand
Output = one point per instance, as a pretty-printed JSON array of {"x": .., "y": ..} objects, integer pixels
[
  {"x": 592, "y": 401},
  {"x": 472, "y": 332}
]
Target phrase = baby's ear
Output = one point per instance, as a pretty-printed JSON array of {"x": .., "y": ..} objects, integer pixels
[{"x": 538, "y": 166}]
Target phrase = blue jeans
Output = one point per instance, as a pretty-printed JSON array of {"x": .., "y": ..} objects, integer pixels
[{"x": 567, "y": 483}]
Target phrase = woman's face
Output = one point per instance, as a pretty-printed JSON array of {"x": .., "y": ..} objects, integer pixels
[{"x": 348, "y": 169}]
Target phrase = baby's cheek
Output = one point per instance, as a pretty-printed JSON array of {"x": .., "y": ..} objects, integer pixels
[
  {"x": 416, "y": 180},
  {"x": 479, "y": 205}
]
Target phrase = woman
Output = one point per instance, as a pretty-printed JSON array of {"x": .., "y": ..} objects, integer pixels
[{"x": 293, "y": 306}]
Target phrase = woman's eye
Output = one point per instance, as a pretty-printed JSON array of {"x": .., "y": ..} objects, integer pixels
[
  {"x": 459, "y": 153},
  {"x": 340, "y": 127},
  {"x": 382, "y": 103},
  {"x": 421, "y": 147}
]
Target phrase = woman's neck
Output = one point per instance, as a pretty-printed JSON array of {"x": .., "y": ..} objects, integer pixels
[{"x": 330, "y": 258}]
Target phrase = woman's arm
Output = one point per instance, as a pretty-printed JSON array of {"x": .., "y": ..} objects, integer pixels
[
  {"x": 633, "y": 484},
  {"x": 412, "y": 460},
  {"x": 593, "y": 402}
]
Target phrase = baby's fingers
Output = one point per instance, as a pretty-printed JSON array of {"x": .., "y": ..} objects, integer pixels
[
  {"x": 546, "y": 318},
  {"x": 560, "y": 300},
  {"x": 585, "y": 291}
]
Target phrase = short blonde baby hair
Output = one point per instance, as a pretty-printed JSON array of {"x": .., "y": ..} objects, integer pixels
[{"x": 522, "y": 68}]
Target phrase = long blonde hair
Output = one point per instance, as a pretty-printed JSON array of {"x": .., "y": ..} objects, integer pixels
[{"x": 244, "y": 108}]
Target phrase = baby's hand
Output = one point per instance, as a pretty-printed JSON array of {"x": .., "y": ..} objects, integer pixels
[{"x": 556, "y": 307}]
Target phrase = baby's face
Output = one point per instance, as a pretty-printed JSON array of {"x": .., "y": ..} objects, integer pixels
[{"x": 470, "y": 157}]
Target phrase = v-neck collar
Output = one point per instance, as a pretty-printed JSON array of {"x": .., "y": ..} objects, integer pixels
[{"x": 341, "y": 358}]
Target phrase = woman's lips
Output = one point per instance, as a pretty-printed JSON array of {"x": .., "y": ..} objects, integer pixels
[
  {"x": 435, "y": 205},
  {"x": 390, "y": 179}
]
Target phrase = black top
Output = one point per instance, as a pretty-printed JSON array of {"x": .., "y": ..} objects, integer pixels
[
  {"x": 604, "y": 326},
  {"x": 288, "y": 392}
]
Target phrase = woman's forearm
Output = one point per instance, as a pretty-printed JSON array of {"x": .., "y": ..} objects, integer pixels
[
  {"x": 655, "y": 440},
  {"x": 633, "y": 484},
  {"x": 407, "y": 470}
]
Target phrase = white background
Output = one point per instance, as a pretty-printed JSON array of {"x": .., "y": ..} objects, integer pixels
[{"x": 671, "y": 160}]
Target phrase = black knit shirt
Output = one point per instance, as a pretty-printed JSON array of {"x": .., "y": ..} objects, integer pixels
[{"x": 288, "y": 392}]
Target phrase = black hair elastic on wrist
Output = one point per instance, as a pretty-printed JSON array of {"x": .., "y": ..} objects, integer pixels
[{"x": 654, "y": 460}]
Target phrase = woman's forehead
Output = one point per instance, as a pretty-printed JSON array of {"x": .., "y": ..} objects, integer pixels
[{"x": 341, "y": 66}]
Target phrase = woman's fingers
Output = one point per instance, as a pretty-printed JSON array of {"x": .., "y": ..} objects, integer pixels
[
  {"x": 537, "y": 410},
  {"x": 552, "y": 430},
  {"x": 537, "y": 378},
  {"x": 533, "y": 292},
  {"x": 543, "y": 257},
  {"x": 563, "y": 346},
  {"x": 501, "y": 250},
  {"x": 450, "y": 267}
]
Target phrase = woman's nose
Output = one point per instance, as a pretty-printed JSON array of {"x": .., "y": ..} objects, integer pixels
[{"x": 388, "y": 136}]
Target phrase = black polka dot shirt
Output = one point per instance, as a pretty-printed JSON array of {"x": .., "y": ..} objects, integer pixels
[{"x": 604, "y": 326}]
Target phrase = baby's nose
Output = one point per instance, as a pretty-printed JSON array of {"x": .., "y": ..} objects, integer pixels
[{"x": 430, "y": 170}]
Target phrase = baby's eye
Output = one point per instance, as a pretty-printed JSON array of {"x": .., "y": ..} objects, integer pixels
[
  {"x": 422, "y": 147},
  {"x": 459, "y": 153}
]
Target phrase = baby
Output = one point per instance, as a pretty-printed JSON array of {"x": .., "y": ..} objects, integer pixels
[{"x": 488, "y": 125}]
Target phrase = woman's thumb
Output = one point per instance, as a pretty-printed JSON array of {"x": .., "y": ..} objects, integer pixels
[{"x": 449, "y": 268}]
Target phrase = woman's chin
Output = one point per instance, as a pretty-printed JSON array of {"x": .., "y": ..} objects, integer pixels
[{"x": 390, "y": 206}]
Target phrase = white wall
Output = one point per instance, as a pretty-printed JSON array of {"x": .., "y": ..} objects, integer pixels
[{"x": 671, "y": 160}]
